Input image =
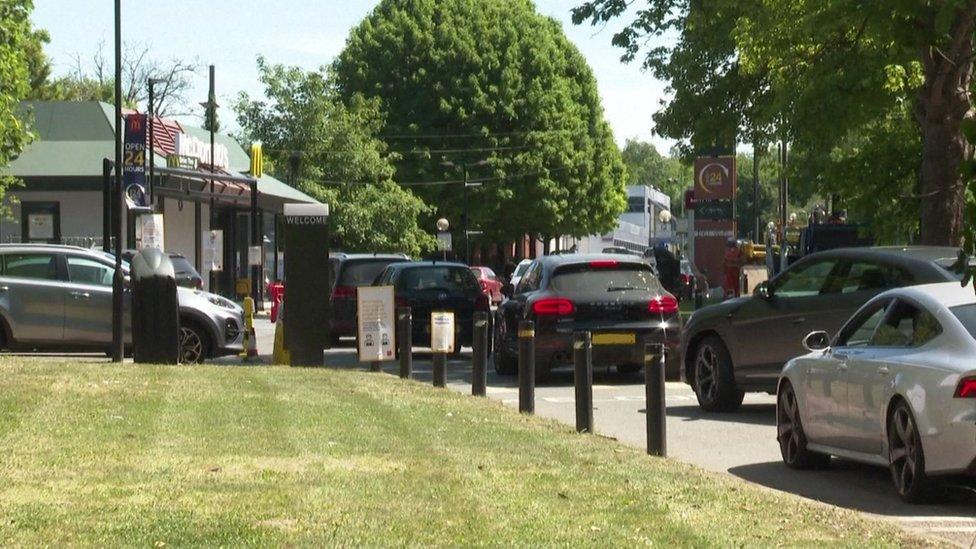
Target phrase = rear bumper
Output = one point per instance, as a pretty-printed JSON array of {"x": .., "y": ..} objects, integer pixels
[{"x": 951, "y": 450}]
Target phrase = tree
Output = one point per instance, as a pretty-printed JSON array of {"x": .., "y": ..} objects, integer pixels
[
  {"x": 97, "y": 82},
  {"x": 835, "y": 76},
  {"x": 328, "y": 149},
  {"x": 493, "y": 85},
  {"x": 17, "y": 41}
]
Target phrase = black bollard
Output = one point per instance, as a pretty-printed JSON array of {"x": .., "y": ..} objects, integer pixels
[
  {"x": 526, "y": 367},
  {"x": 375, "y": 366},
  {"x": 479, "y": 366},
  {"x": 583, "y": 379},
  {"x": 405, "y": 343},
  {"x": 440, "y": 369},
  {"x": 655, "y": 409}
]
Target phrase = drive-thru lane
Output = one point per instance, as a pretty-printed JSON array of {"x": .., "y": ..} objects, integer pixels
[{"x": 741, "y": 444}]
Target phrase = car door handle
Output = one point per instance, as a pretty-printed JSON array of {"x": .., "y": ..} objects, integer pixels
[
  {"x": 799, "y": 320},
  {"x": 81, "y": 295}
]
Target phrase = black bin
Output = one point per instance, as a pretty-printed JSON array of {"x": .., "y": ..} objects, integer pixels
[{"x": 155, "y": 309}]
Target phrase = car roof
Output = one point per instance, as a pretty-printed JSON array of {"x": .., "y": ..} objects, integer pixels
[
  {"x": 345, "y": 257},
  {"x": 920, "y": 253},
  {"x": 42, "y": 246},
  {"x": 576, "y": 259},
  {"x": 945, "y": 294},
  {"x": 421, "y": 264}
]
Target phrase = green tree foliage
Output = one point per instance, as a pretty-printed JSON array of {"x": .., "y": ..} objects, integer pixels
[
  {"x": 17, "y": 40},
  {"x": 861, "y": 91},
  {"x": 328, "y": 149},
  {"x": 465, "y": 81}
]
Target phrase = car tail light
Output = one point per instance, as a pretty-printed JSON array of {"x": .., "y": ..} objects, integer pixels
[
  {"x": 483, "y": 303},
  {"x": 553, "y": 306},
  {"x": 966, "y": 388},
  {"x": 663, "y": 305},
  {"x": 604, "y": 264},
  {"x": 343, "y": 292}
]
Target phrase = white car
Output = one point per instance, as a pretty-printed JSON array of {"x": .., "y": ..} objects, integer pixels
[
  {"x": 896, "y": 387},
  {"x": 519, "y": 271}
]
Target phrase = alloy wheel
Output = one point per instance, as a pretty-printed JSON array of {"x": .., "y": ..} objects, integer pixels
[
  {"x": 191, "y": 346},
  {"x": 789, "y": 432},
  {"x": 706, "y": 371},
  {"x": 904, "y": 451}
]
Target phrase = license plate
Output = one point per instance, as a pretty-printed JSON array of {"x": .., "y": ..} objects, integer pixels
[{"x": 614, "y": 339}]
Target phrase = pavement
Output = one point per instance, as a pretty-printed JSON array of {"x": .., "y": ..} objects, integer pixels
[{"x": 742, "y": 444}]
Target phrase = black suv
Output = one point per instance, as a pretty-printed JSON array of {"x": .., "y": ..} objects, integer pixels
[
  {"x": 350, "y": 271},
  {"x": 616, "y": 297},
  {"x": 429, "y": 286}
]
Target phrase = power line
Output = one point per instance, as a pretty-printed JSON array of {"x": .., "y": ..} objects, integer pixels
[
  {"x": 470, "y": 135},
  {"x": 414, "y": 151},
  {"x": 458, "y": 181}
]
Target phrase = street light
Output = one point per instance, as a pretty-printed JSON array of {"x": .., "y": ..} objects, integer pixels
[
  {"x": 467, "y": 233},
  {"x": 442, "y": 227}
]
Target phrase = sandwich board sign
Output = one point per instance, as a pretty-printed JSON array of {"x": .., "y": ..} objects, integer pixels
[
  {"x": 442, "y": 332},
  {"x": 375, "y": 309}
]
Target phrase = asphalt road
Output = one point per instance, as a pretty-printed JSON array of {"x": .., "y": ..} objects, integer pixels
[{"x": 741, "y": 444}]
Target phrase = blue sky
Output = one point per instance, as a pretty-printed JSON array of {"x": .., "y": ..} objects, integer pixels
[{"x": 309, "y": 33}]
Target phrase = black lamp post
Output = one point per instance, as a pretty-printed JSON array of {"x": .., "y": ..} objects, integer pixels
[
  {"x": 152, "y": 143},
  {"x": 467, "y": 231},
  {"x": 118, "y": 281}
]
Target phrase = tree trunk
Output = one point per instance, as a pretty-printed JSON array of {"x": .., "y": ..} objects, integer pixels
[
  {"x": 944, "y": 101},
  {"x": 546, "y": 244}
]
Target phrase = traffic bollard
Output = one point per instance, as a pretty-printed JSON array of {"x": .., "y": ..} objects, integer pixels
[
  {"x": 479, "y": 366},
  {"x": 583, "y": 379},
  {"x": 526, "y": 367},
  {"x": 440, "y": 369},
  {"x": 655, "y": 409},
  {"x": 375, "y": 366},
  {"x": 405, "y": 343}
]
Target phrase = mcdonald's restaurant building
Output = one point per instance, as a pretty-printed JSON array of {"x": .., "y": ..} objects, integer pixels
[{"x": 212, "y": 220}]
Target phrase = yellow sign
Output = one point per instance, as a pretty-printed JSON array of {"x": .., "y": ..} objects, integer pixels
[
  {"x": 257, "y": 160},
  {"x": 243, "y": 286},
  {"x": 614, "y": 339}
]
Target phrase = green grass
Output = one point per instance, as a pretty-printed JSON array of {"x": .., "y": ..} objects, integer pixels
[{"x": 97, "y": 454}]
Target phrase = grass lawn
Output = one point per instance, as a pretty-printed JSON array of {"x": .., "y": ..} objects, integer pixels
[{"x": 98, "y": 454}]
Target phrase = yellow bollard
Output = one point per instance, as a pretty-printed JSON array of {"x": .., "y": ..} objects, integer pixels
[
  {"x": 280, "y": 356},
  {"x": 250, "y": 337}
]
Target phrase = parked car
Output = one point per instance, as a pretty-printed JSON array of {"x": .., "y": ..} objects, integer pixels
[
  {"x": 519, "y": 271},
  {"x": 350, "y": 271},
  {"x": 186, "y": 274},
  {"x": 615, "y": 297},
  {"x": 429, "y": 286},
  {"x": 490, "y": 283},
  {"x": 894, "y": 388},
  {"x": 741, "y": 345},
  {"x": 59, "y": 298}
]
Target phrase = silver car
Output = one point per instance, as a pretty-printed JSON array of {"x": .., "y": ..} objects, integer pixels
[
  {"x": 896, "y": 387},
  {"x": 59, "y": 298}
]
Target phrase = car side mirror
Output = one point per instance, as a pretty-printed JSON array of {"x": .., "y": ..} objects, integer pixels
[
  {"x": 508, "y": 290},
  {"x": 763, "y": 290},
  {"x": 816, "y": 341}
]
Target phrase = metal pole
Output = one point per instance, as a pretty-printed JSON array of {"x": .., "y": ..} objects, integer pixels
[
  {"x": 467, "y": 235},
  {"x": 440, "y": 369},
  {"x": 655, "y": 410},
  {"x": 213, "y": 214},
  {"x": 583, "y": 380},
  {"x": 755, "y": 193},
  {"x": 479, "y": 366},
  {"x": 255, "y": 241},
  {"x": 118, "y": 306},
  {"x": 107, "y": 205},
  {"x": 150, "y": 153},
  {"x": 405, "y": 333},
  {"x": 526, "y": 367}
]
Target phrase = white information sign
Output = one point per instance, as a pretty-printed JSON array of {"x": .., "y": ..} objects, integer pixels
[
  {"x": 150, "y": 232},
  {"x": 375, "y": 308},
  {"x": 442, "y": 332},
  {"x": 213, "y": 250},
  {"x": 444, "y": 242},
  {"x": 40, "y": 226},
  {"x": 254, "y": 256}
]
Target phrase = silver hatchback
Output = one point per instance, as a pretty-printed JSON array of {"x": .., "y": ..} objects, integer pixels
[{"x": 59, "y": 298}]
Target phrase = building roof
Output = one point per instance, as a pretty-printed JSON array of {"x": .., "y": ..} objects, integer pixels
[{"x": 74, "y": 137}]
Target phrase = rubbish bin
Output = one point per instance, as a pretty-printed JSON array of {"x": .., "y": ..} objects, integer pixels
[{"x": 155, "y": 309}]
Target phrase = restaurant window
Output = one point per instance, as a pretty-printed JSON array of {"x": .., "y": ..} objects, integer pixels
[{"x": 40, "y": 221}]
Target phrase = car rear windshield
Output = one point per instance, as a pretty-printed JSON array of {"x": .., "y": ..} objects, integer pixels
[
  {"x": 362, "y": 272},
  {"x": 182, "y": 266},
  {"x": 520, "y": 269},
  {"x": 622, "y": 277},
  {"x": 967, "y": 315},
  {"x": 450, "y": 279}
]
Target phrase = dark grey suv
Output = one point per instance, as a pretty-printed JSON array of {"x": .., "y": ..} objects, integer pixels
[
  {"x": 741, "y": 345},
  {"x": 59, "y": 298}
]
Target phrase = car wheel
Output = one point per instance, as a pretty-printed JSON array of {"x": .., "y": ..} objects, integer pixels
[
  {"x": 714, "y": 382},
  {"x": 906, "y": 457},
  {"x": 505, "y": 364},
  {"x": 789, "y": 433},
  {"x": 194, "y": 344}
]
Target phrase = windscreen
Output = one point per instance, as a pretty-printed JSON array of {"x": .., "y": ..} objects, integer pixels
[
  {"x": 182, "y": 266},
  {"x": 967, "y": 315},
  {"x": 449, "y": 279},
  {"x": 362, "y": 272},
  {"x": 587, "y": 278}
]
